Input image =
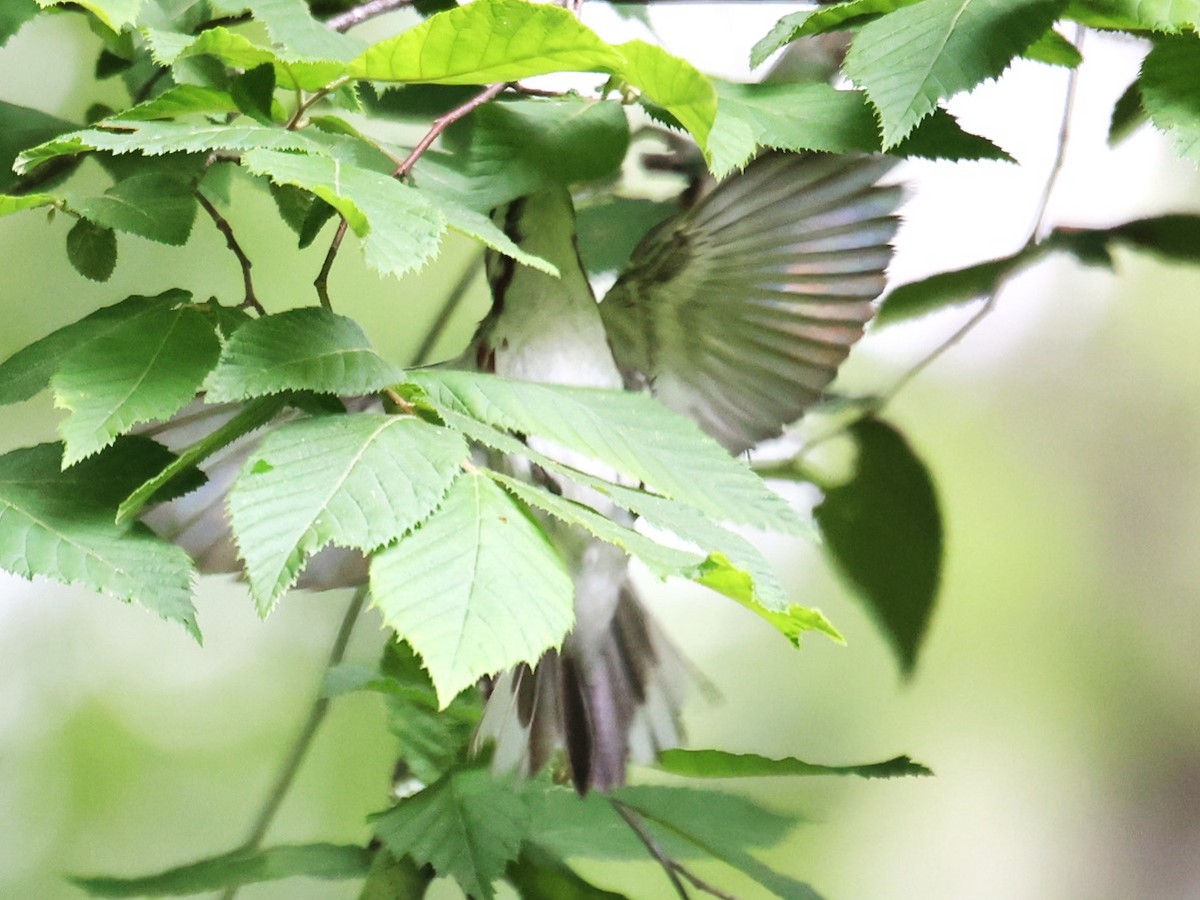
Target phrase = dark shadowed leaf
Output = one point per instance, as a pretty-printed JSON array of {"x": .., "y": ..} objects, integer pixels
[
  {"x": 329, "y": 861},
  {"x": 720, "y": 764},
  {"x": 1168, "y": 81},
  {"x": 883, "y": 531},
  {"x": 92, "y": 250},
  {"x": 154, "y": 206}
]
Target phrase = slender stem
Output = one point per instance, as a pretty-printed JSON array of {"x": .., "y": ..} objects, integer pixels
[
  {"x": 226, "y": 229},
  {"x": 444, "y": 121},
  {"x": 356, "y": 15},
  {"x": 453, "y": 300},
  {"x": 651, "y": 845},
  {"x": 304, "y": 106},
  {"x": 322, "y": 280},
  {"x": 300, "y": 746}
]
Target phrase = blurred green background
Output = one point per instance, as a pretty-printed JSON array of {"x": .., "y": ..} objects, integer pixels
[{"x": 1058, "y": 698}]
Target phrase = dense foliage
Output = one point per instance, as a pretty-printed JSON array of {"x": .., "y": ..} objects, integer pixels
[{"x": 282, "y": 95}]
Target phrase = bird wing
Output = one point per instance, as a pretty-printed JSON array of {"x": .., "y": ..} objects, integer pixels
[{"x": 739, "y": 311}]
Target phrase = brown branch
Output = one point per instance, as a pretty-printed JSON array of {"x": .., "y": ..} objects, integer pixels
[
  {"x": 444, "y": 121},
  {"x": 322, "y": 280},
  {"x": 226, "y": 229},
  {"x": 363, "y": 12},
  {"x": 651, "y": 844}
]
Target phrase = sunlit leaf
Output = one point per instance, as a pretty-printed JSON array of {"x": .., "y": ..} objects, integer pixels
[
  {"x": 230, "y": 870},
  {"x": 883, "y": 530},
  {"x": 358, "y": 481},
  {"x": 116, "y": 14},
  {"x": 481, "y": 43},
  {"x": 306, "y": 349},
  {"x": 299, "y": 36},
  {"x": 1055, "y": 50},
  {"x": 476, "y": 589},
  {"x": 673, "y": 84},
  {"x": 237, "y": 50},
  {"x": 180, "y": 100},
  {"x": 468, "y": 826},
  {"x": 910, "y": 59},
  {"x": 835, "y": 17},
  {"x": 145, "y": 368},
  {"x": 10, "y": 204}
]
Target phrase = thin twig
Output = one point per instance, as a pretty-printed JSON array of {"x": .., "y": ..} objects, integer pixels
[
  {"x": 322, "y": 280},
  {"x": 444, "y": 121},
  {"x": 226, "y": 229},
  {"x": 402, "y": 171},
  {"x": 651, "y": 845},
  {"x": 291, "y": 765},
  {"x": 453, "y": 299},
  {"x": 989, "y": 301},
  {"x": 358, "y": 14},
  {"x": 305, "y": 105}
]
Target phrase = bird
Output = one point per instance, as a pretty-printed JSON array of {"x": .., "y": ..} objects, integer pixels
[{"x": 736, "y": 312}]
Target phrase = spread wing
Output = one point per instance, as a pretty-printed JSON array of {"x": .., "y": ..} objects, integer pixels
[{"x": 739, "y": 311}]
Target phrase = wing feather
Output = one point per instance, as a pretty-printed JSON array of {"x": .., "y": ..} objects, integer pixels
[{"x": 740, "y": 311}]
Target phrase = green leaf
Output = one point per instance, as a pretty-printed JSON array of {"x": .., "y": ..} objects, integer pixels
[
  {"x": 672, "y": 83},
  {"x": 14, "y": 14},
  {"x": 910, "y": 59},
  {"x": 21, "y": 127},
  {"x": 476, "y": 225},
  {"x": 539, "y": 876},
  {"x": 946, "y": 289},
  {"x": 1135, "y": 15},
  {"x": 1055, "y": 50},
  {"x": 804, "y": 116},
  {"x": 145, "y": 368},
  {"x": 468, "y": 826},
  {"x": 1127, "y": 115},
  {"x": 153, "y": 206},
  {"x": 254, "y": 92},
  {"x": 1172, "y": 237},
  {"x": 249, "y": 418},
  {"x": 59, "y": 525},
  {"x": 231, "y": 870},
  {"x": 92, "y": 250},
  {"x": 508, "y": 149},
  {"x": 733, "y": 566},
  {"x": 1170, "y": 73},
  {"x": 476, "y": 589},
  {"x": 835, "y": 17},
  {"x": 720, "y": 764},
  {"x": 116, "y": 14},
  {"x": 628, "y": 431},
  {"x": 236, "y": 50},
  {"x": 697, "y": 817},
  {"x": 306, "y": 349},
  {"x": 883, "y": 530},
  {"x": 299, "y": 36},
  {"x": 358, "y": 481},
  {"x": 10, "y": 204},
  {"x": 612, "y": 226},
  {"x": 401, "y": 227},
  {"x": 29, "y": 370},
  {"x": 180, "y": 100},
  {"x": 481, "y": 43},
  {"x": 391, "y": 878}
]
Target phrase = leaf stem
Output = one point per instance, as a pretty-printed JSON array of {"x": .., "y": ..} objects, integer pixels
[
  {"x": 356, "y": 15},
  {"x": 231, "y": 240},
  {"x": 651, "y": 844},
  {"x": 300, "y": 746}
]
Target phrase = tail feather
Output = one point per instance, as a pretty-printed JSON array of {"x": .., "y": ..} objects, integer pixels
[{"x": 604, "y": 704}]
